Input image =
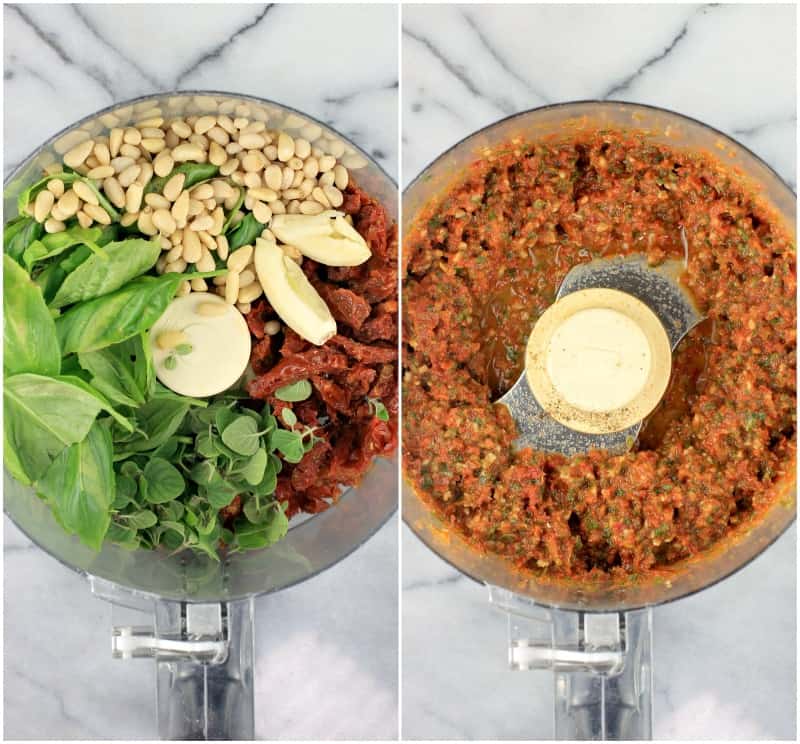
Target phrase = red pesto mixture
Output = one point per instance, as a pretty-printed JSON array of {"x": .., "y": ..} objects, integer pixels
[
  {"x": 485, "y": 261},
  {"x": 360, "y": 362}
]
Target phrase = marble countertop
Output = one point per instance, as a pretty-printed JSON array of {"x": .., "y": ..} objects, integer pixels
[
  {"x": 326, "y": 665},
  {"x": 725, "y": 659}
]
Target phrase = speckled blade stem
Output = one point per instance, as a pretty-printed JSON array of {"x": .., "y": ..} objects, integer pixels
[{"x": 659, "y": 289}]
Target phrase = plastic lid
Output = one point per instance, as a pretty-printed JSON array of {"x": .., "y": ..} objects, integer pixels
[{"x": 598, "y": 360}]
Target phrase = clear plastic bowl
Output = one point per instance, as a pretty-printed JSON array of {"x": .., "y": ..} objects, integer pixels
[
  {"x": 313, "y": 543},
  {"x": 680, "y": 579}
]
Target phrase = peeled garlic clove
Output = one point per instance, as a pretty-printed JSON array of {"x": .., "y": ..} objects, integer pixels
[
  {"x": 326, "y": 238},
  {"x": 291, "y": 294}
]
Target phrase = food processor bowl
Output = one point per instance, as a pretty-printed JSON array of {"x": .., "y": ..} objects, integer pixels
[
  {"x": 595, "y": 636},
  {"x": 202, "y": 635}
]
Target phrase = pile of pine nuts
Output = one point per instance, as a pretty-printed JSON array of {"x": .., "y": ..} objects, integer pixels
[{"x": 279, "y": 174}]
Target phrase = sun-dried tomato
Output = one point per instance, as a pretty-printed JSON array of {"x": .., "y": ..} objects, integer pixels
[
  {"x": 228, "y": 513},
  {"x": 345, "y": 305},
  {"x": 363, "y": 352},
  {"x": 307, "y": 472},
  {"x": 296, "y": 367},
  {"x": 371, "y": 223},
  {"x": 380, "y": 328}
]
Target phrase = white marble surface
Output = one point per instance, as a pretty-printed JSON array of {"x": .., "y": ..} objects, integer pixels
[
  {"x": 725, "y": 660},
  {"x": 327, "y": 649}
]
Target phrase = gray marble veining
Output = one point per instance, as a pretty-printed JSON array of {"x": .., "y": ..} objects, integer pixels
[
  {"x": 326, "y": 656},
  {"x": 725, "y": 661}
]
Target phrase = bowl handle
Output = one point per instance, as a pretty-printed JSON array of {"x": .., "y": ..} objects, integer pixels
[
  {"x": 204, "y": 654},
  {"x": 602, "y": 665}
]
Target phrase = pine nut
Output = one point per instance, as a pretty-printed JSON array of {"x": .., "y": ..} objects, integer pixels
[
  {"x": 326, "y": 179},
  {"x": 287, "y": 178},
  {"x": 263, "y": 194},
  {"x": 152, "y": 133},
  {"x": 129, "y": 151},
  {"x": 172, "y": 139},
  {"x": 252, "y": 180},
  {"x": 341, "y": 177},
  {"x": 121, "y": 163},
  {"x": 308, "y": 185},
  {"x": 240, "y": 258},
  {"x": 153, "y": 145},
  {"x": 251, "y": 141},
  {"x": 262, "y": 212},
  {"x": 192, "y": 241},
  {"x": 278, "y": 207},
  {"x": 184, "y": 288},
  {"x": 218, "y": 215},
  {"x": 84, "y": 220},
  {"x": 273, "y": 176},
  {"x": 172, "y": 188},
  {"x": 56, "y": 187},
  {"x": 299, "y": 177},
  {"x": 192, "y": 251},
  {"x": 195, "y": 207},
  {"x": 101, "y": 172},
  {"x": 204, "y": 123},
  {"x": 98, "y": 214},
  {"x": 206, "y": 261},
  {"x": 219, "y": 281},
  {"x": 91, "y": 162},
  {"x": 129, "y": 175},
  {"x": 228, "y": 167},
  {"x": 334, "y": 196},
  {"x": 203, "y": 221},
  {"x": 311, "y": 207},
  {"x": 170, "y": 339},
  {"x": 180, "y": 209},
  {"x": 222, "y": 189},
  {"x": 311, "y": 167},
  {"x": 129, "y": 219},
  {"x": 222, "y": 247},
  {"x": 54, "y": 226},
  {"x": 163, "y": 164},
  {"x": 253, "y": 162},
  {"x": 146, "y": 174},
  {"x": 249, "y": 293},
  {"x": 272, "y": 327},
  {"x": 177, "y": 236},
  {"x": 216, "y": 154},
  {"x": 244, "y": 307},
  {"x": 145, "y": 224},
  {"x": 202, "y": 192},
  {"x": 132, "y": 136},
  {"x": 233, "y": 148},
  {"x": 211, "y": 309},
  {"x": 218, "y": 135},
  {"x": 163, "y": 221},
  {"x": 226, "y": 123},
  {"x": 181, "y": 128},
  {"x": 199, "y": 285},
  {"x": 285, "y": 147},
  {"x": 232, "y": 288},
  {"x": 57, "y": 215},
  {"x": 114, "y": 141},
  {"x": 174, "y": 253},
  {"x": 175, "y": 267},
  {"x": 43, "y": 204},
  {"x": 267, "y": 234},
  {"x": 270, "y": 152},
  {"x": 311, "y": 132},
  {"x": 302, "y": 148},
  {"x": 246, "y": 278},
  {"x": 326, "y": 163},
  {"x": 291, "y": 252},
  {"x": 160, "y": 264},
  {"x": 85, "y": 193},
  {"x": 133, "y": 197},
  {"x": 75, "y": 157},
  {"x": 293, "y": 207},
  {"x": 295, "y": 163},
  {"x": 200, "y": 140},
  {"x": 255, "y": 126},
  {"x": 165, "y": 242},
  {"x": 208, "y": 241},
  {"x": 102, "y": 153},
  {"x": 185, "y": 152},
  {"x": 153, "y": 121},
  {"x": 69, "y": 204},
  {"x": 156, "y": 201}
]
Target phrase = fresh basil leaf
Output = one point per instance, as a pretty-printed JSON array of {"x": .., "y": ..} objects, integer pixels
[
  {"x": 294, "y": 393},
  {"x": 52, "y": 245},
  {"x": 245, "y": 232},
  {"x": 79, "y": 486},
  {"x": 43, "y": 415},
  {"x": 253, "y": 471},
  {"x": 195, "y": 173},
  {"x": 242, "y": 436},
  {"x": 115, "y": 317},
  {"x": 98, "y": 275},
  {"x": 30, "y": 343},
  {"x": 52, "y": 277},
  {"x": 18, "y": 235},
  {"x": 288, "y": 443},
  {"x": 164, "y": 481},
  {"x": 156, "y": 422},
  {"x": 118, "y": 371}
]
